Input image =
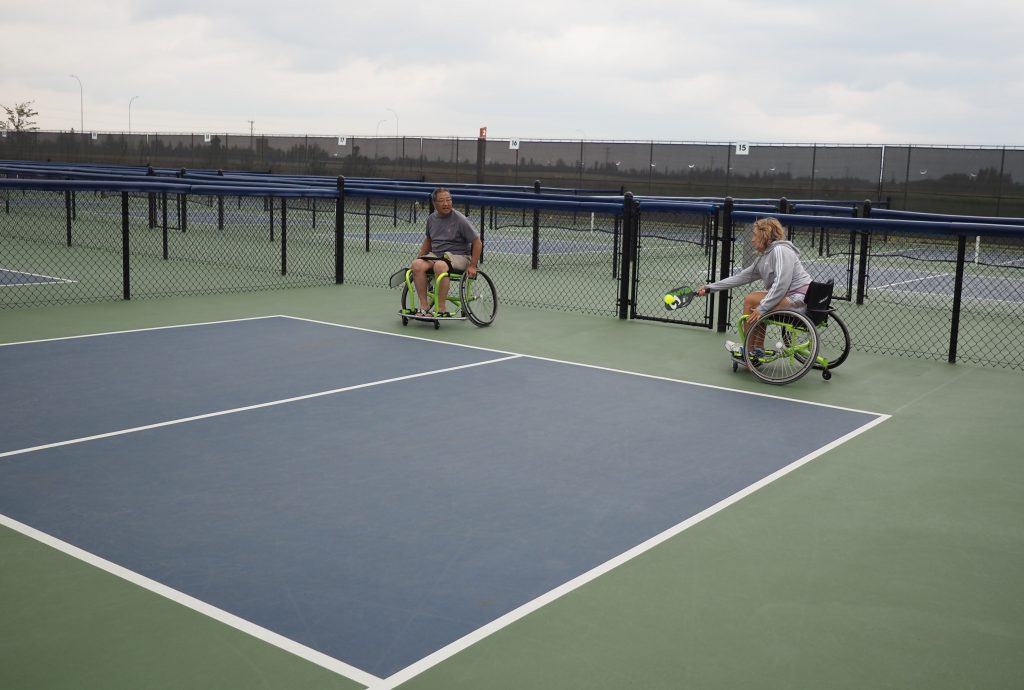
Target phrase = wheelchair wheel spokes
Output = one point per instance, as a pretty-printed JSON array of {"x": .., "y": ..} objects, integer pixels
[
  {"x": 833, "y": 343},
  {"x": 781, "y": 347},
  {"x": 479, "y": 298}
]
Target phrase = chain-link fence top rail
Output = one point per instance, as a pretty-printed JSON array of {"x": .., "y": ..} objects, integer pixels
[{"x": 964, "y": 180}]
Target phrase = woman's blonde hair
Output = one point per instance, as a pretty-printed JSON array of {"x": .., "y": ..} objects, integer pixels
[{"x": 766, "y": 231}]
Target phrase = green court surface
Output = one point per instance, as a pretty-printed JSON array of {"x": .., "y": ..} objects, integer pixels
[{"x": 891, "y": 561}]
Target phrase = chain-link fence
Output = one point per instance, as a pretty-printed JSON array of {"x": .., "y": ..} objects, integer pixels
[
  {"x": 913, "y": 285},
  {"x": 540, "y": 253},
  {"x": 967, "y": 180},
  {"x": 82, "y": 243},
  {"x": 676, "y": 244},
  {"x": 934, "y": 289}
]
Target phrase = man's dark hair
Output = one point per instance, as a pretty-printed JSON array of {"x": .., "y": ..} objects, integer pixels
[{"x": 433, "y": 194}]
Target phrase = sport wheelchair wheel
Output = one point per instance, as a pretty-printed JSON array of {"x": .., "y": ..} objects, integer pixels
[
  {"x": 833, "y": 343},
  {"x": 780, "y": 347},
  {"x": 479, "y": 299}
]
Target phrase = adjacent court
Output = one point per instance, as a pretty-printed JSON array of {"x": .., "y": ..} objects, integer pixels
[{"x": 371, "y": 497}]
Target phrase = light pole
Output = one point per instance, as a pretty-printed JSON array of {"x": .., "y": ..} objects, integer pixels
[
  {"x": 132, "y": 100},
  {"x": 81, "y": 103}
]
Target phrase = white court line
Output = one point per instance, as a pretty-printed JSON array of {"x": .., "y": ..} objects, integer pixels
[
  {"x": 915, "y": 280},
  {"x": 139, "y": 330},
  {"x": 494, "y": 626},
  {"x": 259, "y": 632},
  {"x": 247, "y": 408}
]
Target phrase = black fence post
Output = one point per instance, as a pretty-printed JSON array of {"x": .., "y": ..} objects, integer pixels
[
  {"x": 726, "y": 266},
  {"x": 182, "y": 205},
  {"x": 269, "y": 203},
  {"x": 152, "y": 199},
  {"x": 958, "y": 288},
  {"x": 163, "y": 213},
  {"x": 629, "y": 229},
  {"x": 862, "y": 264},
  {"x": 125, "y": 248},
  {"x": 284, "y": 235},
  {"x": 339, "y": 233},
  {"x": 535, "y": 246},
  {"x": 367, "y": 223},
  {"x": 67, "y": 214},
  {"x": 220, "y": 206}
]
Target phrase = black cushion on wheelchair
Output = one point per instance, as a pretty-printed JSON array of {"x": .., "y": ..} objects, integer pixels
[{"x": 819, "y": 301}]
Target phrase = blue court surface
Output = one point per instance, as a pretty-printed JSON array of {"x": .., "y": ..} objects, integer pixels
[{"x": 364, "y": 497}]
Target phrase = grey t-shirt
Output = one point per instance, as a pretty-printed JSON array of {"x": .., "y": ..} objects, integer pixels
[{"x": 453, "y": 233}]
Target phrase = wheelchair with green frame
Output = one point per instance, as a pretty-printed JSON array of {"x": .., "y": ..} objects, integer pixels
[
  {"x": 786, "y": 343},
  {"x": 474, "y": 298}
]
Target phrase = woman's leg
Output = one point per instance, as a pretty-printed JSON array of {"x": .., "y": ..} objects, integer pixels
[{"x": 750, "y": 303}]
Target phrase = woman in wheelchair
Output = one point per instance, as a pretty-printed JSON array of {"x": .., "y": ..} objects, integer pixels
[
  {"x": 778, "y": 265},
  {"x": 451, "y": 244}
]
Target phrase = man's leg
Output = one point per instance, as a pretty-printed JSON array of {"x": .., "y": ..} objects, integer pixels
[
  {"x": 420, "y": 270},
  {"x": 442, "y": 286}
]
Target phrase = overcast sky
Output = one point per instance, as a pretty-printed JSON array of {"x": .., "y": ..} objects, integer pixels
[{"x": 800, "y": 71}]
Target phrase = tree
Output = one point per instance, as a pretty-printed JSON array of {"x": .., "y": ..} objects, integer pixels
[{"x": 19, "y": 118}]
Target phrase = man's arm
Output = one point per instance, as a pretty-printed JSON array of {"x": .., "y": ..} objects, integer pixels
[{"x": 476, "y": 248}]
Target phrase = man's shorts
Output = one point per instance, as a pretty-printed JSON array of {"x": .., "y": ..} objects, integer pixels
[{"x": 456, "y": 262}]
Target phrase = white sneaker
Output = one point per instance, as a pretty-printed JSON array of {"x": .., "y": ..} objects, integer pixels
[{"x": 735, "y": 348}]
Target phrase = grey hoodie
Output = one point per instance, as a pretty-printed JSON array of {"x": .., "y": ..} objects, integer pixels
[{"x": 780, "y": 269}]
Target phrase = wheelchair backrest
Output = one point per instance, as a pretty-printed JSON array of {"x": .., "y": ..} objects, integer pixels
[{"x": 819, "y": 301}]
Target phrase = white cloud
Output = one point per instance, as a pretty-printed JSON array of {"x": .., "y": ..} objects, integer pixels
[{"x": 791, "y": 71}]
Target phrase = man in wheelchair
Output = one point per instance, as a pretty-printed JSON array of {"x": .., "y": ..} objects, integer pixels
[
  {"x": 451, "y": 243},
  {"x": 778, "y": 265}
]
